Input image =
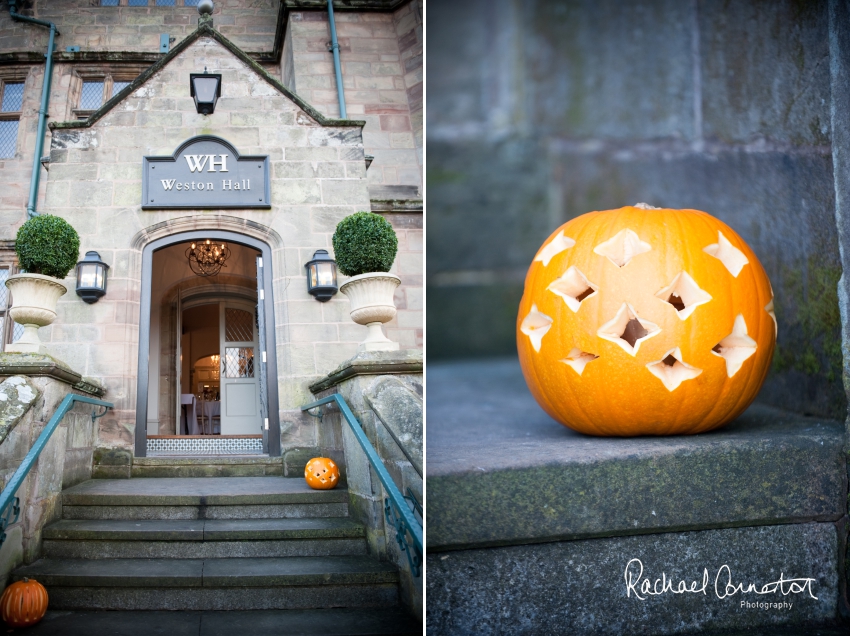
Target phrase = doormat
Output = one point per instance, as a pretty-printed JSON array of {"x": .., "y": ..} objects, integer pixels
[{"x": 205, "y": 446}]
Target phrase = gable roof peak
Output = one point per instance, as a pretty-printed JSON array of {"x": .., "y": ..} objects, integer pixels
[{"x": 205, "y": 28}]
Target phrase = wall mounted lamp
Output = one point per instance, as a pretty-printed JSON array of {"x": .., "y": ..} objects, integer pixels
[
  {"x": 206, "y": 89},
  {"x": 321, "y": 276},
  {"x": 91, "y": 278}
]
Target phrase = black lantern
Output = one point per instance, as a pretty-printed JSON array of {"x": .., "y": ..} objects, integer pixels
[
  {"x": 321, "y": 276},
  {"x": 91, "y": 277},
  {"x": 206, "y": 89}
]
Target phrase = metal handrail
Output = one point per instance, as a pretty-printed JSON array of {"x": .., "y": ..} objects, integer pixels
[
  {"x": 8, "y": 496},
  {"x": 403, "y": 513}
]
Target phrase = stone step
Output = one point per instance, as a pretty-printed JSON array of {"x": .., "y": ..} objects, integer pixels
[
  {"x": 205, "y": 584},
  {"x": 326, "y": 622},
  {"x": 237, "y": 466},
  {"x": 203, "y": 539},
  {"x": 201, "y": 498}
]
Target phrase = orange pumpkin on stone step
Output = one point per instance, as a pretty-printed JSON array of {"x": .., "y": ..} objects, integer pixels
[
  {"x": 321, "y": 473},
  {"x": 645, "y": 321},
  {"x": 23, "y": 603}
]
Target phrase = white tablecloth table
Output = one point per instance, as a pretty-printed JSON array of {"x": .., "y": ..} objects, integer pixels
[
  {"x": 189, "y": 422},
  {"x": 211, "y": 409}
]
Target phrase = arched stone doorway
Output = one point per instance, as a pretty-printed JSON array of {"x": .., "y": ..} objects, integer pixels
[{"x": 163, "y": 379}]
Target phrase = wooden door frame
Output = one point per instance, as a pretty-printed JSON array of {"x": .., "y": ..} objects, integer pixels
[{"x": 142, "y": 384}]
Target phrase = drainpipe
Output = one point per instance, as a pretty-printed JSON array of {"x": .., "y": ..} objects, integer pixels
[
  {"x": 337, "y": 68},
  {"x": 42, "y": 113}
]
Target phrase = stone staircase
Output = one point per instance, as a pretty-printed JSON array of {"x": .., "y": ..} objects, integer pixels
[{"x": 226, "y": 543}]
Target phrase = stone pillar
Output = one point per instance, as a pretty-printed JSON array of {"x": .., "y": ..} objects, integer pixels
[
  {"x": 32, "y": 387},
  {"x": 384, "y": 391}
]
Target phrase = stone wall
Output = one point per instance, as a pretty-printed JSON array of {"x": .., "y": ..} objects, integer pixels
[
  {"x": 380, "y": 54},
  {"x": 26, "y": 405},
  {"x": 384, "y": 391},
  {"x": 581, "y": 585},
  {"x": 577, "y": 106},
  {"x": 408, "y": 327},
  {"x": 385, "y": 84},
  {"x": 86, "y": 24}
]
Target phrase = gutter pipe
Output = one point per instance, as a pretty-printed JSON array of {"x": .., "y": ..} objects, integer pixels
[
  {"x": 337, "y": 68},
  {"x": 42, "y": 112}
]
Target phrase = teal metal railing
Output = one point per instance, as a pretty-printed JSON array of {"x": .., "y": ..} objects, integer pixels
[
  {"x": 10, "y": 503},
  {"x": 397, "y": 511}
]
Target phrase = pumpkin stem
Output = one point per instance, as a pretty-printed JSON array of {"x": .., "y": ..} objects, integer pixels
[{"x": 645, "y": 206}]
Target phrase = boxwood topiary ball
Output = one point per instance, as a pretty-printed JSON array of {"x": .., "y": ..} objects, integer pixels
[
  {"x": 364, "y": 242},
  {"x": 47, "y": 245}
]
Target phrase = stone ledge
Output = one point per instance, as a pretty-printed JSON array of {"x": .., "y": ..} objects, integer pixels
[
  {"x": 38, "y": 364},
  {"x": 409, "y": 206},
  {"x": 579, "y": 587},
  {"x": 502, "y": 472},
  {"x": 371, "y": 363}
]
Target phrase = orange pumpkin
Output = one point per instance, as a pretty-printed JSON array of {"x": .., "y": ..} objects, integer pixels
[
  {"x": 321, "y": 473},
  {"x": 645, "y": 321},
  {"x": 23, "y": 603}
]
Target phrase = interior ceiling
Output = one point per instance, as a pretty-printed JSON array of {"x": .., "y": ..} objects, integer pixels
[{"x": 170, "y": 266}]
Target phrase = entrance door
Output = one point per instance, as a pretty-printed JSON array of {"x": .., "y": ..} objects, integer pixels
[
  {"x": 239, "y": 377},
  {"x": 261, "y": 349}
]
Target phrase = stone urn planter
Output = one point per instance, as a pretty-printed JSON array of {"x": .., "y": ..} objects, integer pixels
[
  {"x": 365, "y": 245},
  {"x": 372, "y": 304},
  {"x": 47, "y": 248},
  {"x": 34, "y": 299}
]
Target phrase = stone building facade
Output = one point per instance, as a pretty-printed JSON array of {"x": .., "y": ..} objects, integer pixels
[{"x": 120, "y": 92}]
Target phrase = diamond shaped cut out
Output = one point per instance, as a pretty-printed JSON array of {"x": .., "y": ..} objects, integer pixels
[
  {"x": 573, "y": 287},
  {"x": 732, "y": 258},
  {"x": 684, "y": 294},
  {"x": 535, "y": 325},
  {"x": 554, "y": 247},
  {"x": 621, "y": 249},
  {"x": 628, "y": 330},
  {"x": 736, "y": 347},
  {"x": 672, "y": 370},
  {"x": 578, "y": 359}
]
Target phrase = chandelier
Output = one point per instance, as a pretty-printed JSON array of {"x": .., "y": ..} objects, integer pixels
[{"x": 207, "y": 258}]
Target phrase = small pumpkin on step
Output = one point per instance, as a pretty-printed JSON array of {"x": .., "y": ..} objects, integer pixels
[
  {"x": 321, "y": 473},
  {"x": 23, "y": 603}
]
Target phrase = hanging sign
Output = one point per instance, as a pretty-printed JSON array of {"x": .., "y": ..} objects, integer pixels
[{"x": 205, "y": 172}]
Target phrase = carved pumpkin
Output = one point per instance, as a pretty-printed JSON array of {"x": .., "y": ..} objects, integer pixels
[
  {"x": 321, "y": 473},
  {"x": 645, "y": 321},
  {"x": 23, "y": 603}
]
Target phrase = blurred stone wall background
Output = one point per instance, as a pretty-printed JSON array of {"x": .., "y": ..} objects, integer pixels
[{"x": 539, "y": 111}]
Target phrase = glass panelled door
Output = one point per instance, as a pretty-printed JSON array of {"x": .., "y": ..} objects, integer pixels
[{"x": 239, "y": 377}]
